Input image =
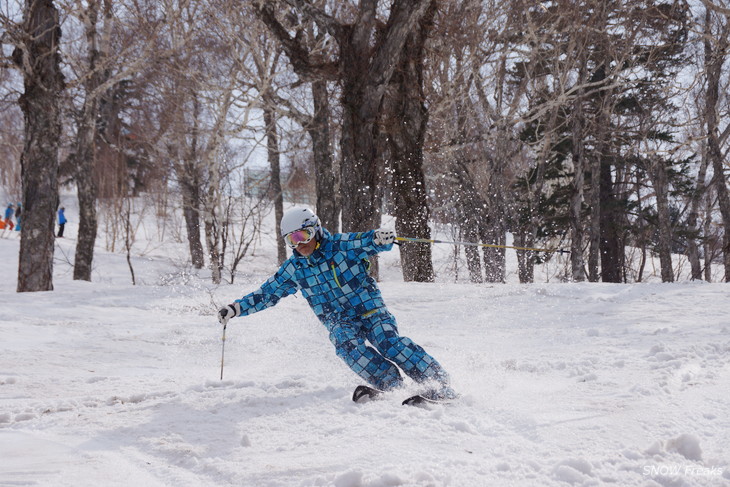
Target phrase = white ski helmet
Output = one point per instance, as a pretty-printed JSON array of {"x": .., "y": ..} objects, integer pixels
[{"x": 299, "y": 217}]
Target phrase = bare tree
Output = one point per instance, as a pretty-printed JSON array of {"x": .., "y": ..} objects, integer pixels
[
  {"x": 590, "y": 86},
  {"x": 405, "y": 121},
  {"x": 578, "y": 157},
  {"x": 119, "y": 43},
  {"x": 273, "y": 154},
  {"x": 660, "y": 181},
  {"x": 281, "y": 98},
  {"x": 693, "y": 219},
  {"x": 717, "y": 29},
  {"x": 318, "y": 126},
  {"x": 472, "y": 145},
  {"x": 244, "y": 228},
  {"x": 128, "y": 233},
  {"x": 190, "y": 179},
  {"x": 84, "y": 153},
  {"x": 37, "y": 56},
  {"x": 369, "y": 51},
  {"x": 200, "y": 86},
  {"x": 266, "y": 61}
]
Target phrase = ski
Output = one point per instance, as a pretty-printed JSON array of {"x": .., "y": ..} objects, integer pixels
[
  {"x": 417, "y": 400},
  {"x": 365, "y": 393},
  {"x": 421, "y": 401},
  {"x": 426, "y": 398}
]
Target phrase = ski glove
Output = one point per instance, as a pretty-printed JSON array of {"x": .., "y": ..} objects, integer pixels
[
  {"x": 384, "y": 236},
  {"x": 228, "y": 312}
]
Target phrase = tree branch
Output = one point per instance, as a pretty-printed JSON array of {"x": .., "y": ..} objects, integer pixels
[
  {"x": 711, "y": 5},
  {"x": 404, "y": 15},
  {"x": 298, "y": 54},
  {"x": 323, "y": 21}
]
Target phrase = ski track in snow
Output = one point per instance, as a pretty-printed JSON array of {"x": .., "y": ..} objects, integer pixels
[{"x": 563, "y": 384}]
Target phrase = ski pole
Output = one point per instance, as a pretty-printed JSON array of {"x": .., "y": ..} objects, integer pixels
[
  {"x": 223, "y": 348},
  {"x": 474, "y": 244}
]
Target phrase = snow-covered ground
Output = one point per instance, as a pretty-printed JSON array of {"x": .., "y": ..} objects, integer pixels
[{"x": 109, "y": 384}]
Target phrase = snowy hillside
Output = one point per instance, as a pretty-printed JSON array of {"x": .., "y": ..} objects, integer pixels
[{"x": 109, "y": 384}]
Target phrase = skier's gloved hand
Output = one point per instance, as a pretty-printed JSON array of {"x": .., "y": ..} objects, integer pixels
[
  {"x": 228, "y": 312},
  {"x": 384, "y": 236}
]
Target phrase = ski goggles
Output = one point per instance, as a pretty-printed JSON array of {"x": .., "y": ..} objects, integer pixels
[{"x": 298, "y": 237}]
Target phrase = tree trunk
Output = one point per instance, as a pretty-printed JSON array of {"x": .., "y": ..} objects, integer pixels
[
  {"x": 190, "y": 185},
  {"x": 468, "y": 201},
  {"x": 85, "y": 156},
  {"x": 189, "y": 175},
  {"x": 216, "y": 233},
  {"x": 86, "y": 193},
  {"x": 272, "y": 147},
  {"x": 87, "y": 138},
  {"x": 661, "y": 190},
  {"x": 493, "y": 228},
  {"x": 368, "y": 56},
  {"x": 473, "y": 261},
  {"x": 212, "y": 206},
  {"x": 525, "y": 259},
  {"x": 597, "y": 203},
  {"x": 191, "y": 213},
  {"x": 472, "y": 212},
  {"x": 594, "y": 235},
  {"x": 188, "y": 172},
  {"x": 714, "y": 59},
  {"x": 39, "y": 60},
  {"x": 693, "y": 251},
  {"x": 361, "y": 165},
  {"x": 642, "y": 263},
  {"x": 324, "y": 168},
  {"x": 707, "y": 227},
  {"x": 366, "y": 76},
  {"x": 577, "y": 263},
  {"x": 611, "y": 246},
  {"x": 128, "y": 240},
  {"x": 406, "y": 118},
  {"x": 641, "y": 233},
  {"x": 494, "y": 258},
  {"x": 213, "y": 231}
]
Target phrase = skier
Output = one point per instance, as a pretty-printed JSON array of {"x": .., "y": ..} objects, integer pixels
[
  {"x": 9, "y": 217},
  {"x": 331, "y": 271},
  {"x": 61, "y": 221}
]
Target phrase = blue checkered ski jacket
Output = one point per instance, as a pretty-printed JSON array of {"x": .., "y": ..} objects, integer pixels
[{"x": 334, "y": 279}]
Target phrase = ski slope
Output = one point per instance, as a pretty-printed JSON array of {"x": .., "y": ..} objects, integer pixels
[{"x": 106, "y": 383}]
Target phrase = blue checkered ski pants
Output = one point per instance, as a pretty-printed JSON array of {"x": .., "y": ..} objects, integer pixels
[{"x": 378, "y": 363}]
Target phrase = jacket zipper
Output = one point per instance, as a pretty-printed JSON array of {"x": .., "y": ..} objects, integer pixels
[{"x": 334, "y": 274}]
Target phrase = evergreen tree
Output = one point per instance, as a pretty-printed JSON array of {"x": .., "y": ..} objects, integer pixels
[{"x": 614, "y": 105}]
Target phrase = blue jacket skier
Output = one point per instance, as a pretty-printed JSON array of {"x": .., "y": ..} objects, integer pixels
[
  {"x": 331, "y": 272},
  {"x": 61, "y": 221}
]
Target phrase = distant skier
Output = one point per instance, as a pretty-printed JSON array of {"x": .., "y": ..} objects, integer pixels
[
  {"x": 331, "y": 271},
  {"x": 61, "y": 221},
  {"x": 9, "y": 217}
]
